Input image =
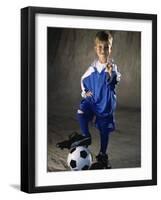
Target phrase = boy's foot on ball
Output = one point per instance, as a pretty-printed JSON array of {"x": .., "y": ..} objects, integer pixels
[
  {"x": 103, "y": 160},
  {"x": 74, "y": 140}
]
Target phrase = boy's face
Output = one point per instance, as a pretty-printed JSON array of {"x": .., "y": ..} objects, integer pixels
[{"x": 103, "y": 50}]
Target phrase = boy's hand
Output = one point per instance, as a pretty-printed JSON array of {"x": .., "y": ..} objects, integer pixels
[
  {"x": 109, "y": 69},
  {"x": 89, "y": 94}
]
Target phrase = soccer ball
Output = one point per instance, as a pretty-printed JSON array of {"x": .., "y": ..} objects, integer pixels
[{"x": 79, "y": 158}]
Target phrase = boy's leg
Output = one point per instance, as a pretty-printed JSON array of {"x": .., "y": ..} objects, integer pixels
[
  {"x": 102, "y": 157},
  {"x": 105, "y": 126},
  {"x": 83, "y": 123},
  {"x": 84, "y": 115},
  {"x": 104, "y": 140}
]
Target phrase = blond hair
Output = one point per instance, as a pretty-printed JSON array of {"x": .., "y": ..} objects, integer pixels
[{"x": 104, "y": 36}]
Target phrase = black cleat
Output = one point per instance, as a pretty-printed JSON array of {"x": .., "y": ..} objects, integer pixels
[
  {"x": 96, "y": 165},
  {"x": 74, "y": 140},
  {"x": 103, "y": 160}
]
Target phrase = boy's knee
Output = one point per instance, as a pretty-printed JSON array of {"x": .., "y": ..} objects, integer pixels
[{"x": 80, "y": 111}]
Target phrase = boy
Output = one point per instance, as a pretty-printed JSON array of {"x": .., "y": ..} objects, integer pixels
[{"x": 99, "y": 99}]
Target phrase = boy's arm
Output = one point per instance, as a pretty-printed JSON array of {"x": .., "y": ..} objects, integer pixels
[
  {"x": 117, "y": 74},
  {"x": 85, "y": 91}
]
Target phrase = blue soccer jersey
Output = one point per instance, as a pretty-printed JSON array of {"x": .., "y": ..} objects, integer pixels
[{"x": 97, "y": 80}]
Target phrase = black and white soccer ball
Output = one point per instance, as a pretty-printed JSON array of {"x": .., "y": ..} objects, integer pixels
[{"x": 79, "y": 158}]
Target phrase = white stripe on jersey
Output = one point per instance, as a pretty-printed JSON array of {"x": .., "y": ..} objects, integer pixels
[{"x": 89, "y": 71}]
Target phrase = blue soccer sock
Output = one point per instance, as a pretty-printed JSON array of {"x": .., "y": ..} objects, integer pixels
[
  {"x": 83, "y": 122},
  {"x": 104, "y": 137}
]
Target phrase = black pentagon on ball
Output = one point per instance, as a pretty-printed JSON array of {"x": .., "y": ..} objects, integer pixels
[
  {"x": 83, "y": 154},
  {"x": 85, "y": 167},
  {"x": 73, "y": 163}
]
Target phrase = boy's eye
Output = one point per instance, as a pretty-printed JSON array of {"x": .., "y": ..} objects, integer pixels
[
  {"x": 100, "y": 47},
  {"x": 106, "y": 47}
]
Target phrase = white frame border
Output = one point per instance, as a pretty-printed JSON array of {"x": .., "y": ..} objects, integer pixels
[{"x": 42, "y": 177}]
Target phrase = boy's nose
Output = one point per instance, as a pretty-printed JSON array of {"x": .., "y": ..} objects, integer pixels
[{"x": 103, "y": 50}]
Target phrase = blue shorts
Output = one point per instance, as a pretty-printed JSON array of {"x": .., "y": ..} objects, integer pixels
[{"x": 103, "y": 124}]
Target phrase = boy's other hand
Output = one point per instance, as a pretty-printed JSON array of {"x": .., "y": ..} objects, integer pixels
[
  {"x": 89, "y": 94},
  {"x": 109, "y": 69}
]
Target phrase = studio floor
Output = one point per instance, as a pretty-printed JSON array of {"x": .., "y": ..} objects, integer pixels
[{"x": 124, "y": 148}]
